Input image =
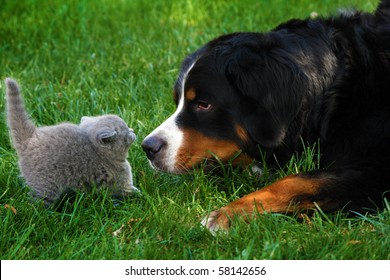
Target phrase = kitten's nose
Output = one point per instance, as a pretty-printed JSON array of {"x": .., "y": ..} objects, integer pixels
[
  {"x": 153, "y": 145},
  {"x": 132, "y": 134}
]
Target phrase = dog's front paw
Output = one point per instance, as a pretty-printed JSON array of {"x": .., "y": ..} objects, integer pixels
[{"x": 216, "y": 221}]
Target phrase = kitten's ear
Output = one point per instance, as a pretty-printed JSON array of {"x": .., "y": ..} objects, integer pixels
[{"x": 106, "y": 137}]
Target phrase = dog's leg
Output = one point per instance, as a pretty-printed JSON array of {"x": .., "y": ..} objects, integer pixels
[
  {"x": 328, "y": 190},
  {"x": 287, "y": 195}
]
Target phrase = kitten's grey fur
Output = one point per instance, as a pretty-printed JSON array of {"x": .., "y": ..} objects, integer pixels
[{"x": 54, "y": 159}]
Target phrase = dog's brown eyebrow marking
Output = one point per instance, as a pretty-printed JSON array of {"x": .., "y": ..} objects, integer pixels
[
  {"x": 190, "y": 94},
  {"x": 241, "y": 133}
]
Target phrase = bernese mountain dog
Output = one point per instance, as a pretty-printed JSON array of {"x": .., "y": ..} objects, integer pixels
[{"x": 256, "y": 97}]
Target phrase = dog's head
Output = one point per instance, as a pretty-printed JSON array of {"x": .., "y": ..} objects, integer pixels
[{"x": 237, "y": 94}]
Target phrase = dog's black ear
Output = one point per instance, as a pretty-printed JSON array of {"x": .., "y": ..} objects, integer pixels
[
  {"x": 264, "y": 129},
  {"x": 271, "y": 85}
]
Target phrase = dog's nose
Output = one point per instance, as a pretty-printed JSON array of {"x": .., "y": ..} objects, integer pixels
[{"x": 152, "y": 145}]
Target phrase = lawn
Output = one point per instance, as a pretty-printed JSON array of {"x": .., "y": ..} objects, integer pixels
[{"x": 77, "y": 58}]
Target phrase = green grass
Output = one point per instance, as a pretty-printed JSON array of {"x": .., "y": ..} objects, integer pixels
[{"x": 76, "y": 58}]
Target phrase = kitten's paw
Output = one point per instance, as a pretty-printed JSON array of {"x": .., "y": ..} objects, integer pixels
[
  {"x": 126, "y": 192},
  {"x": 131, "y": 191}
]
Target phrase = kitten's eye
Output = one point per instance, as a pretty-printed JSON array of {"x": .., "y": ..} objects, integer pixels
[{"x": 203, "y": 106}]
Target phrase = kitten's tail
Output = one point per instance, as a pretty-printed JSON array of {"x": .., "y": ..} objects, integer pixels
[{"x": 21, "y": 127}]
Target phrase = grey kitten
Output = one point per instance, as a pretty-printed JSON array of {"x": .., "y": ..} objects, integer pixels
[{"x": 55, "y": 159}]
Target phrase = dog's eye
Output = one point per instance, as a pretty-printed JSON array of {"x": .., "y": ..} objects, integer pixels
[{"x": 204, "y": 106}]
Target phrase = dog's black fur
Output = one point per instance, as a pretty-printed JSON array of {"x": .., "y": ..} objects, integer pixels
[{"x": 325, "y": 80}]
